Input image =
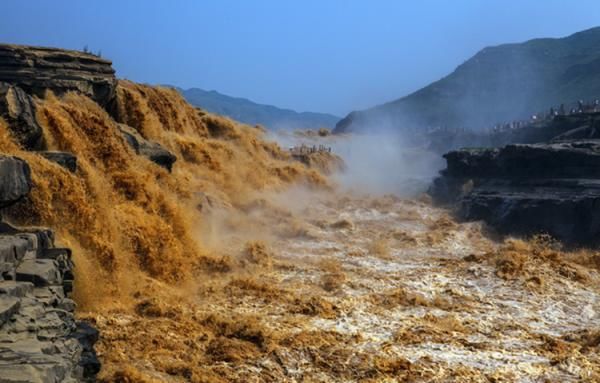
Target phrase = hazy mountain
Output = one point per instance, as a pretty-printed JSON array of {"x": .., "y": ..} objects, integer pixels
[
  {"x": 249, "y": 112},
  {"x": 498, "y": 84}
]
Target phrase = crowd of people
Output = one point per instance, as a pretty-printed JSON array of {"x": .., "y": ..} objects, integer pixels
[
  {"x": 578, "y": 108},
  {"x": 304, "y": 149}
]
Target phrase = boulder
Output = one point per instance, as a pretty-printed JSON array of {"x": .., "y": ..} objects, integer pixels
[
  {"x": 18, "y": 110},
  {"x": 15, "y": 180},
  {"x": 64, "y": 159},
  {"x": 549, "y": 188},
  {"x": 37, "y": 69},
  {"x": 152, "y": 150}
]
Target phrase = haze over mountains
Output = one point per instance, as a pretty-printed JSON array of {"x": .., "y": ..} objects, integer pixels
[
  {"x": 498, "y": 84},
  {"x": 249, "y": 112}
]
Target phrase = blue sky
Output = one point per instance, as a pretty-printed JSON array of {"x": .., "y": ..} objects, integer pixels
[{"x": 327, "y": 56}]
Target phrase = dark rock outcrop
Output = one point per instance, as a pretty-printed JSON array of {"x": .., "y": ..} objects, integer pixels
[
  {"x": 37, "y": 69},
  {"x": 64, "y": 159},
  {"x": 152, "y": 150},
  {"x": 15, "y": 180},
  {"x": 18, "y": 109},
  {"x": 524, "y": 189}
]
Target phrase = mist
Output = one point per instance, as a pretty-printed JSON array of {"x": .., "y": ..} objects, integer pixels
[{"x": 384, "y": 162}]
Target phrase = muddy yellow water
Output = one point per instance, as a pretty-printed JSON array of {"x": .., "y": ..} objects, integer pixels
[
  {"x": 371, "y": 289},
  {"x": 245, "y": 265}
]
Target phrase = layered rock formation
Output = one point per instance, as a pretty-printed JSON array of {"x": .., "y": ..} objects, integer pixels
[
  {"x": 40, "y": 340},
  {"x": 27, "y": 71},
  {"x": 32, "y": 71},
  {"x": 525, "y": 189},
  {"x": 37, "y": 69}
]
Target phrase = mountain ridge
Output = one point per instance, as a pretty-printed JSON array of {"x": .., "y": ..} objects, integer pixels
[
  {"x": 253, "y": 113},
  {"x": 499, "y": 83}
]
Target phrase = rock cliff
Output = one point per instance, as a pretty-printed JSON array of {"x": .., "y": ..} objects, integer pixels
[
  {"x": 40, "y": 340},
  {"x": 37, "y": 69},
  {"x": 524, "y": 189},
  {"x": 27, "y": 71}
]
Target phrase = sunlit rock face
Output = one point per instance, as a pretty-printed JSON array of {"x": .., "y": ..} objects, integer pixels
[{"x": 37, "y": 69}]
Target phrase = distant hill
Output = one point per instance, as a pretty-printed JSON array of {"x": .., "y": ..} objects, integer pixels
[
  {"x": 498, "y": 84},
  {"x": 249, "y": 112}
]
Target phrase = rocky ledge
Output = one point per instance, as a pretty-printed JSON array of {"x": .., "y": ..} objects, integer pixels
[
  {"x": 525, "y": 189},
  {"x": 27, "y": 71},
  {"x": 37, "y": 69},
  {"x": 40, "y": 340}
]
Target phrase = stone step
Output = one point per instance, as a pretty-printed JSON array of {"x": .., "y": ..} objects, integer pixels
[
  {"x": 42, "y": 272},
  {"x": 32, "y": 361}
]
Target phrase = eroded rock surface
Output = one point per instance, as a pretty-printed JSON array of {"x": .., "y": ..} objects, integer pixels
[
  {"x": 549, "y": 188},
  {"x": 40, "y": 340}
]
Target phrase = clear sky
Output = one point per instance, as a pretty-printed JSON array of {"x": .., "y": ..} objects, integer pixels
[{"x": 316, "y": 55}]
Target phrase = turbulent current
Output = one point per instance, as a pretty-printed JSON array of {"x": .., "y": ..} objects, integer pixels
[{"x": 246, "y": 265}]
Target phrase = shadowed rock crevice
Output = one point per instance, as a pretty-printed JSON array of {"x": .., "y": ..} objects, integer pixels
[{"x": 18, "y": 109}]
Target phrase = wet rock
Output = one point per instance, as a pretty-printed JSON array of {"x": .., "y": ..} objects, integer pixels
[
  {"x": 64, "y": 159},
  {"x": 38, "y": 69},
  {"x": 15, "y": 180},
  {"x": 87, "y": 336},
  {"x": 152, "y": 150},
  {"x": 549, "y": 188},
  {"x": 18, "y": 110}
]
